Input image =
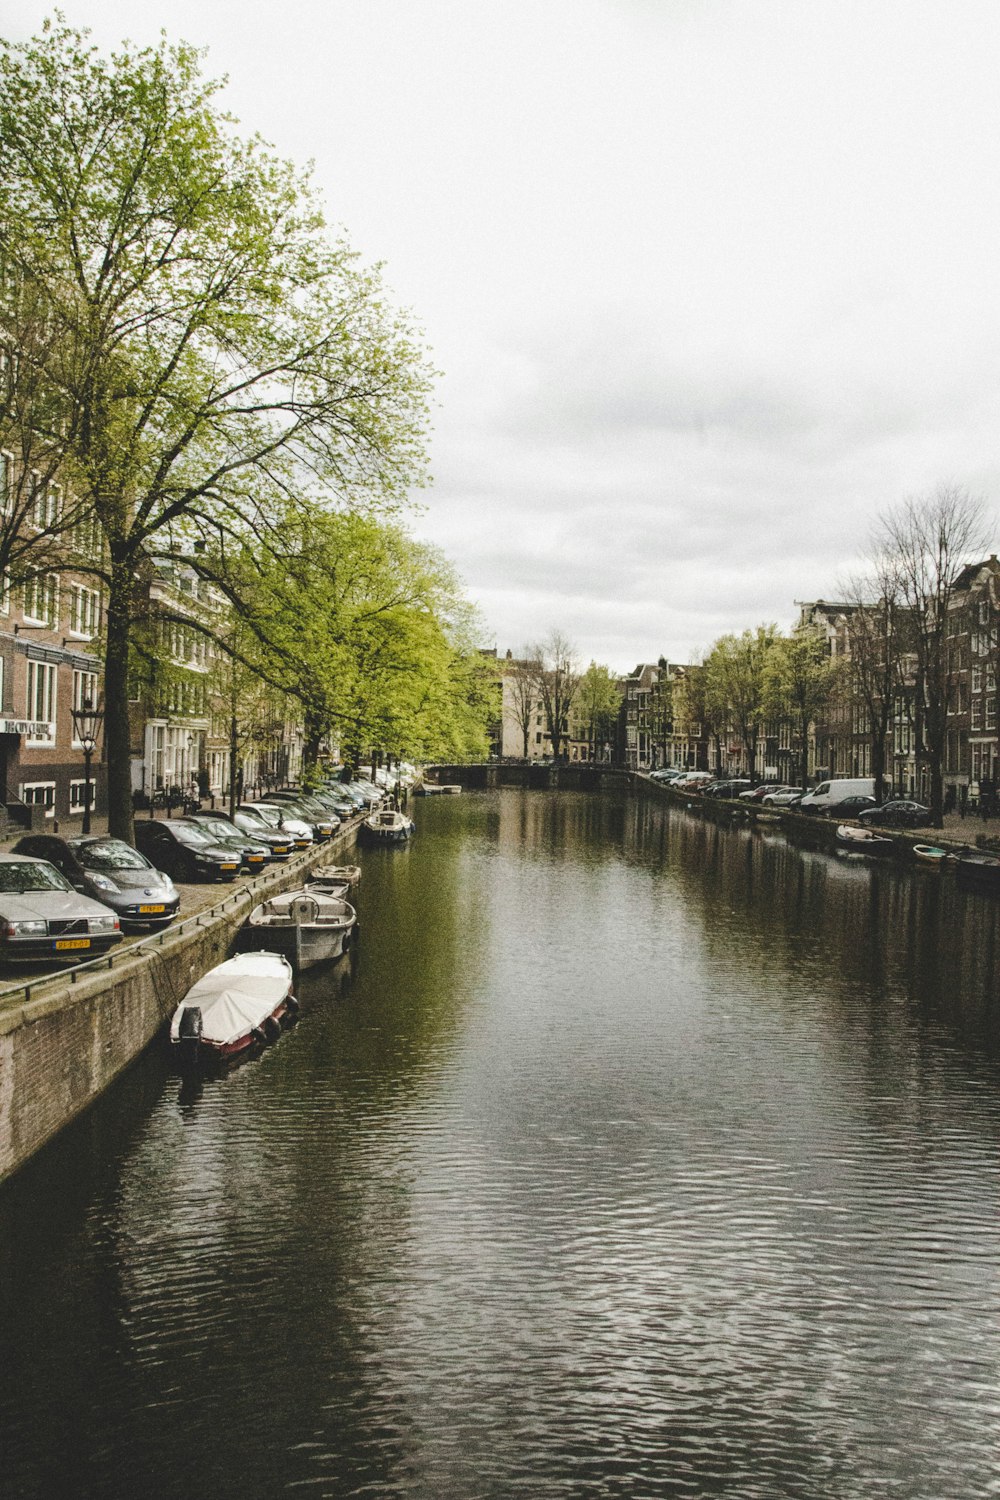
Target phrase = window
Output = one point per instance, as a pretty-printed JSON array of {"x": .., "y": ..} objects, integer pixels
[
  {"x": 84, "y": 610},
  {"x": 977, "y": 679},
  {"x": 41, "y": 703},
  {"x": 78, "y": 794},
  {"x": 6, "y": 482},
  {"x": 4, "y": 592},
  {"x": 46, "y": 502},
  {"x": 41, "y": 598},
  {"x": 40, "y": 794},
  {"x": 977, "y": 713}
]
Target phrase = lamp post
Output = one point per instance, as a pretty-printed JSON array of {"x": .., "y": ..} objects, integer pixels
[{"x": 87, "y": 720}]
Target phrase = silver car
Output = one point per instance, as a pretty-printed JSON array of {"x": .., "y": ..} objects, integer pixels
[{"x": 42, "y": 916}]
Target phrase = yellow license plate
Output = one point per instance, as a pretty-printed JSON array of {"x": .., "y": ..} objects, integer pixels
[
  {"x": 73, "y": 943},
  {"x": 229, "y": 867},
  {"x": 149, "y": 909},
  {"x": 255, "y": 859}
]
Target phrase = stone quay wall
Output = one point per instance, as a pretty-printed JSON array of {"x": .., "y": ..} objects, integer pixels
[{"x": 64, "y": 1038}]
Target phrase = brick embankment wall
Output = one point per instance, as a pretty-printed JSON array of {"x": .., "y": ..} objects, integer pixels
[{"x": 62, "y": 1042}]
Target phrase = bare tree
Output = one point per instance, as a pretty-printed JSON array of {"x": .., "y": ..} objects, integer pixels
[
  {"x": 927, "y": 540},
  {"x": 557, "y": 679},
  {"x": 875, "y": 678},
  {"x": 521, "y": 675}
]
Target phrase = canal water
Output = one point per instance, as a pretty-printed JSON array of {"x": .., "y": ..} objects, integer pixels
[{"x": 633, "y": 1157}]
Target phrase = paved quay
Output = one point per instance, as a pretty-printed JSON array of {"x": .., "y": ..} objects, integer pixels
[{"x": 197, "y": 897}]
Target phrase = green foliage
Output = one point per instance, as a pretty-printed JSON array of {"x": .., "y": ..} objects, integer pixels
[
  {"x": 369, "y": 632},
  {"x": 213, "y": 350}
]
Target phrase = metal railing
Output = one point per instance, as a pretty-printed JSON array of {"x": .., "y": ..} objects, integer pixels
[{"x": 256, "y": 885}]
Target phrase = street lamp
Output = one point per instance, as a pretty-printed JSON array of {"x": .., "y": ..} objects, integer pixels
[{"x": 87, "y": 720}]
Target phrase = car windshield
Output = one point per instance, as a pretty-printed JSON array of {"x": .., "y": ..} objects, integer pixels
[
  {"x": 217, "y": 829},
  {"x": 186, "y": 833},
  {"x": 31, "y": 876},
  {"x": 268, "y": 815},
  {"x": 109, "y": 854}
]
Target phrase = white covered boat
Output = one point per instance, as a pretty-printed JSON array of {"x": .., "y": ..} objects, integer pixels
[
  {"x": 308, "y": 926},
  {"x": 239, "y": 1004},
  {"x": 863, "y": 840},
  {"x": 387, "y": 826}
]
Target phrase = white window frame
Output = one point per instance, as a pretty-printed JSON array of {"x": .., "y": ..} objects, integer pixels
[
  {"x": 6, "y": 482},
  {"x": 46, "y": 585},
  {"x": 76, "y": 794},
  {"x": 46, "y": 697},
  {"x": 84, "y": 611},
  {"x": 29, "y": 791}
]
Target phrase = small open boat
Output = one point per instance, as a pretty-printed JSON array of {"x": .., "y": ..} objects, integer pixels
[
  {"x": 236, "y": 1006},
  {"x": 931, "y": 857},
  {"x": 979, "y": 868},
  {"x": 309, "y": 927},
  {"x": 387, "y": 826},
  {"x": 863, "y": 840},
  {"x": 348, "y": 875}
]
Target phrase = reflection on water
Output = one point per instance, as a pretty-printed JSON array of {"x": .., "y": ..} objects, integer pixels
[{"x": 633, "y": 1156}]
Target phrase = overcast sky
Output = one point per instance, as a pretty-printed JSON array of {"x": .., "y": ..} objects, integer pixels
[{"x": 710, "y": 283}]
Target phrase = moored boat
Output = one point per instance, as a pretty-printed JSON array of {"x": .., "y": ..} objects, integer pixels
[
  {"x": 236, "y": 1006},
  {"x": 862, "y": 840},
  {"x": 336, "y": 873},
  {"x": 387, "y": 826},
  {"x": 931, "y": 857},
  {"x": 979, "y": 868},
  {"x": 307, "y": 926}
]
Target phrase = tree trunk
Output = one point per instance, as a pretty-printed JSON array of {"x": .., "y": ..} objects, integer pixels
[
  {"x": 117, "y": 738},
  {"x": 234, "y": 755},
  {"x": 312, "y": 736}
]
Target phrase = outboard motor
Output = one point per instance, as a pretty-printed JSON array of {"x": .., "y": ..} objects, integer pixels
[{"x": 189, "y": 1032}]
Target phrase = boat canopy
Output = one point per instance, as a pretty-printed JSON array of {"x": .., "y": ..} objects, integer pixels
[{"x": 236, "y": 996}]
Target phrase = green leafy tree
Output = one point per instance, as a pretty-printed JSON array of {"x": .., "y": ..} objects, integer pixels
[
  {"x": 369, "y": 632},
  {"x": 596, "y": 704},
  {"x": 736, "y": 687},
  {"x": 217, "y": 350},
  {"x": 800, "y": 678}
]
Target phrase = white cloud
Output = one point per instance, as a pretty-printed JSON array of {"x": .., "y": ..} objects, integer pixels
[{"x": 710, "y": 283}]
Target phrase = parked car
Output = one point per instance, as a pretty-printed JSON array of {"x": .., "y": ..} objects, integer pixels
[
  {"x": 253, "y": 856},
  {"x": 667, "y": 773},
  {"x": 827, "y": 797},
  {"x": 897, "y": 813},
  {"x": 334, "y": 801},
  {"x": 42, "y": 916},
  {"x": 758, "y": 793},
  {"x": 851, "y": 807},
  {"x": 790, "y": 797},
  {"x": 323, "y": 822},
  {"x": 185, "y": 851},
  {"x": 726, "y": 789},
  {"x": 273, "y": 815},
  {"x": 693, "y": 781},
  {"x": 278, "y": 845},
  {"x": 110, "y": 871}
]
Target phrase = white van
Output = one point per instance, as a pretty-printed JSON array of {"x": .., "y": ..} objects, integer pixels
[{"x": 828, "y": 794}]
